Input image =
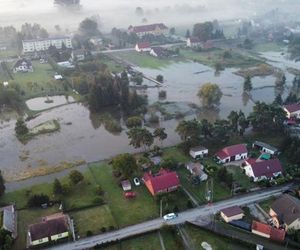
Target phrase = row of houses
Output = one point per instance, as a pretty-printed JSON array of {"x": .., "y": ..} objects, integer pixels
[{"x": 155, "y": 51}]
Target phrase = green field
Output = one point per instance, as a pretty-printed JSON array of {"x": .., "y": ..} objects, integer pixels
[
  {"x": 266, "y": 47},
  {"x": 215, "y": 56},
  {"x": 93, "y": 219},
  {"x": 144, "y": 60},
  {"x": 198, "y": 236},
  {"x": 40, "y": 82},
  {"x": 125, "y": 212},
  {"x": 8, "y": 53}
]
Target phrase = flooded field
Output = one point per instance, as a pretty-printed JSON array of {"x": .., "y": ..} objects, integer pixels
[
  {"x": 83, "y": 135},
  {"x": 42, "y": 103}
]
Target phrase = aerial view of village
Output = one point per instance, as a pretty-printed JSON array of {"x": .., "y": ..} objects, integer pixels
[{"x": 150, "y": 125}]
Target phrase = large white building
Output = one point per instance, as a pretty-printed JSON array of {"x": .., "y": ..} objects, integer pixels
[{"x": 44, "y": 44}]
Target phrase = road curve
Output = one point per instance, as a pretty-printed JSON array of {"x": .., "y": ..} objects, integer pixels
[{"x": 189, "y": 215}]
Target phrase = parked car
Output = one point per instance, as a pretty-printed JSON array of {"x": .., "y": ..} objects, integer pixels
[
  {"x": 136, "y": 181},
  {"x": 170, "y": 216},
  {"x": 129, "y": 195}
]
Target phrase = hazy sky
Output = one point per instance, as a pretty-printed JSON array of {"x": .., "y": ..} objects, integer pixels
[{"x": 120, "y": 13}]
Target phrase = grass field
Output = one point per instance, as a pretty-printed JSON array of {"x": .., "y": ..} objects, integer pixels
[
  {"x": 8, "y": 53},
  {"x": 93, "y": 219},
  {"x": 265, "y": 47},
  {"x": 198, "y": 236},
  {"x": 125, "y": 211},
  {"x": 212, "y": 57},
  {"x": 40, "y": 82},
  {"x": 144, "y": 60}
]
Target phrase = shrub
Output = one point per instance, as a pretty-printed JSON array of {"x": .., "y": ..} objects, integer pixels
[
  {"x": 160, "y": 78},
  {"x": 103, "y": 229},
  {"x": 98, "y": 201},
  {"x": 37, "y": 200},
  {"x": 75, "y": 177},
  {"x": 162, "y": 94},
  {"x": 134, "y": 121},
  {"x": 189, "y": 204},
  {"x": 99, "y": 190},
  {"x": 89, "y": 233},
  {"x": 66, "y": 189},
  {"x": 111, "y": 228},
  {"x": 154, "y": 118}
]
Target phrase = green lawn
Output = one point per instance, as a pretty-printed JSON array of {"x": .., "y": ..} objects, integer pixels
[
  {"x": 198, "y": 236},
  {"x": 214, "y": 56},
  {"x": 27, "y": 217},
  {"x": 143, "y": 60},
  {"x": 144, "y": 242},
  {"x": 266, "y": 204},
  {"x": 40, "y": 82},
  {"x": 265, "y": 47},
  {"x": 240, "y": 178},
  {"x": 176, "y": 154},
  {"x": 125, "y": 212},
  {"x": 93, "y": 219},
  {"x": 8, "y": 53}
]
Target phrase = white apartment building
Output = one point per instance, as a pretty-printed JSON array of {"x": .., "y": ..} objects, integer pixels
[{"x": 44, "y": 44}]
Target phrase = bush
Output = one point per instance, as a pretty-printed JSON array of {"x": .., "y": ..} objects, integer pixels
[
  {"x": 66, "y": 189},
  {"x": 98, "y": 201},
  {"x": 134, "y": 121},
  {"x": 154, "y": 118},
  {"x": 189, "y": 204},
  {"x": 160, "y": 78},
  {"x": 37, "y": 200},
  {"x": 162, "y": 94},
  {"x": 75, "y": 177},
  {"x": 111, "y": 228},
  {"x": 99, "y": 190},
  {"x": 103, "y": 229},
  {"x": 89, "y": 233}
]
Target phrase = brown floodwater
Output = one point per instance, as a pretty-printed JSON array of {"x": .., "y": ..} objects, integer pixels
[{"x": 83, "y": 136}]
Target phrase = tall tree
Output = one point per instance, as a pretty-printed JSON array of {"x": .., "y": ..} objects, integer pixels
[
  {"x": 204, "y": 31},
  {"x": 233, "y": 118},
  {"x": 125, "y": 164},
  {"x": 21, "y": 128},
  {"x": 75, "y": 177},
  {"x": 247, "y": 84},
  {"x": 189, "y": 131},
  {"x": 89, "y": 27},
  {"x": 210, "y": 94},
  {"x": 57, "y": 187},
  {"x": 140, "y": 137},
  {"x": 2, "y": 185},
  {"x": 160, "y": 134}
]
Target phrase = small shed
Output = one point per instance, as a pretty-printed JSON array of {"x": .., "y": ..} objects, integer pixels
[
  {"x": 264, "y": 147},
  {"x": 198, "y": 152},
  {"x": 232, "y": 213},
  {"x": 196, "y": 169},
  {"x": 126, "y": 185}
]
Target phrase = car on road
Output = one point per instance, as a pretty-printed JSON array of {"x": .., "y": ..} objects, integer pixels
[
  {"x": 136, "y": 181},
  {"x": 170, "y": 216},
  {"x": 129, "y": 195}
]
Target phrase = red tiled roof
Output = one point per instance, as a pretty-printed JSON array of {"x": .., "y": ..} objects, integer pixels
[
  {"x": 143, "y": 45},
  {"x": 251, "y": 161},
  {"x": 163, "y": 180},
  {"x": 292, "y": 107},
  {"x": 147, "y": 28},
  {"x": 232, "y": 211},
  {"x": 266, "y": 168},
  {"x": 261, "y": 227},
  {"x": 277, "y": 234},
  {"x": 232, "y": 151}
]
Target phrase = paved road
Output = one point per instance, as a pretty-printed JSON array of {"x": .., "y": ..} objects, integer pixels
[{"x": 189, "y": 215}]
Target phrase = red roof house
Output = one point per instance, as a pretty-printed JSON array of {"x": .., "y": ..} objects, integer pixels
[
  {"x": 232, "y": 153},
  {"x": 292, "y": 110},
  {"x": 142, "y": 47},
  {"x": 267, "y": 231},
  {"x": 262, "y": 170},
  {"x": 164, "y": 182}
]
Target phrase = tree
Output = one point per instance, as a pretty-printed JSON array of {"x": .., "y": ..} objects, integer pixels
[
  {"x": 89, "y": 27},
  {"x": 2, "y": 185},
  {"x": 37, "y": 200},
  {"x": 280, "y": 81},
  {"x": 172, "y": 31},
  {"x": 160, "y": 78},
  {"x": 21, "y": 128},
  {"x": 278, "y": 100},
  {"x": 247, "y": 84},
  {"x": 188, "y": 34},
  {"x": 57, "y": 187},
  {"x": 6, "y": 240},
  {"x": 140, "y": 137},
  {"x": 160, "y": 134},
  {"x": 75, "y": 177},
  {"x": 204, "y": 31},
  {"x": 134, "y": 121},
  {"x": 210, "y": 94},
  {"x": 125, "y": 164},
  {"x": 189, "y": 131},
  {"x": 233, "y": 118},
  {"x": 139, "y": 11}
]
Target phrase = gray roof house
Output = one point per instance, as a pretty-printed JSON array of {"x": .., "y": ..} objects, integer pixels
[{"x": 8, "y": 218}]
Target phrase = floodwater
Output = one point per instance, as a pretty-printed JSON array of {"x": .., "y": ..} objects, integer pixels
[
  {"x": 84, "y": 137},
  {"x": 42, "y": 103}
]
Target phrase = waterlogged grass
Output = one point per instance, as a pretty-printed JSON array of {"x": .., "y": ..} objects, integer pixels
[
  {"x": 143, "y": 60},
  {"x": 266, "y": 47},
  {"x": 216, "y": 56},
  {"x": 125, "y": 211}
]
